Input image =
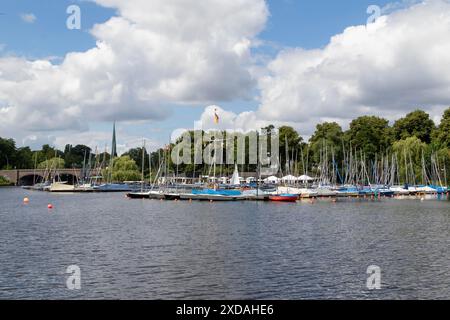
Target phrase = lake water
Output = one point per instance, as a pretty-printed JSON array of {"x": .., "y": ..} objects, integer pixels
[{"x": 150, "y": 249}]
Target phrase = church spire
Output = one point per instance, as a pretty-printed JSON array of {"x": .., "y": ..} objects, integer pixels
[{"x": 114, "y": 145}]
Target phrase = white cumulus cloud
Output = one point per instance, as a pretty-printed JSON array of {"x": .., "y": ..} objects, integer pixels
[
  {"x": 28, "y": 17},
  {"x": 391, "y": 67},
  {"x": 158, "y": 54},
  {"x": 155, "y": 54}
]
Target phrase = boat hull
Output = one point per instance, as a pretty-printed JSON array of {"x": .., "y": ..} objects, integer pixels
[
  {"x": 283, "y": 198},
  {"x": 211, "y": 197},
  {"x": 61, "y": 187},
  {"x": 138, "y": 195},
  {"x": 171, "y": 196}
]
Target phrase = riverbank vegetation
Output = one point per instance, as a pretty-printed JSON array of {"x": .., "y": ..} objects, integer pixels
[
  {"x": 415, "y": 141},
  {"x": 4, "y": 182}
]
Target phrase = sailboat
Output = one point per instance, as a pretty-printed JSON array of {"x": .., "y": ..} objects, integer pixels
[
  {"x": 141, "y": 194},
  {"x": 287, "y": 197},
  {"x": 285, "y": 194},
  {"x": 59, "y": 186},
  {"x": 218, "y": 194},
  {"x": 109, "y": 186},
  {"x": 235, "y": 181},
  {"x": 153, "y": 193}
]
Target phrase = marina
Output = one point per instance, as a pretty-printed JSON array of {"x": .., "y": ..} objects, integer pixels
[
  {"x": 356, "y": 178},
  {"x": 224, "y": 151},
  {"x": 298, "y": 232},
  {"x": 262, "y": 192}
]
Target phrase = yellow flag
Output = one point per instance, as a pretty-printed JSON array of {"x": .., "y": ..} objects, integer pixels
[{"x": 216, "y": 117}]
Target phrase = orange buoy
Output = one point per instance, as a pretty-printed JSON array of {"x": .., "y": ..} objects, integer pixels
[
  {"x": 50, "y": 206},
  {"x": 26, "y": 200}
]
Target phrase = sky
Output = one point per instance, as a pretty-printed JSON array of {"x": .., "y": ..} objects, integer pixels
[{"x": 154, "y": 66}]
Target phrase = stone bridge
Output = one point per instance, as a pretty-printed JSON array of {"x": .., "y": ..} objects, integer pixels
[{"x": 25, "y": 177}]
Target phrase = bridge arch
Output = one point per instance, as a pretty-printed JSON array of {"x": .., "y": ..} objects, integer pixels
[
  {"x": 30, "y": 179},
  {"x": 27, "y": 176}
]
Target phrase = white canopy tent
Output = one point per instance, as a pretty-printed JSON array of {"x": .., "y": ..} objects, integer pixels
[
  {"x": 223, "y": 180},
  {"x": 250, "y": 179},
  {"x": 289, "y": 178},
  {"x": 305, "y": 178},
  {"x": 272, "y": 179}
]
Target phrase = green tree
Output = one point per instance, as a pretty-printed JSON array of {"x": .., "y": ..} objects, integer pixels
[
  {"x": 327, "y": 134},
  {"x": 24, "y": 158},
  {"x": 443, "y": 156},
  {"x": 441, "y": 137},
  {"x": 53, "y": 163},
  {"x": 4, "y": 181},
  {"x": 7, "y": 153},
  {"x": 415, "y": 124},
  {"x": 269, "y": 129},
  {"x": 103, "y": 158},
  {"x": 48, "y": 152},
  {"x": 74, "y": 156},
  {"x": 124, "y": 169},
  {"x": 409, "y": 156},
  {"x": 293, "y": 139},
  {"x": 136, "y": 155},
  {"x": 370, "y": 134}
]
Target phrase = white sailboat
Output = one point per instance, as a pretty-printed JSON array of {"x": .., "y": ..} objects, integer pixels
[
  {"x": 61, "y": 186},
  {"x": 235, "y": 181}
]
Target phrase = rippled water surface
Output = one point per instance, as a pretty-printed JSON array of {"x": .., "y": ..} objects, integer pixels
[{"x": 149, "y": 249}]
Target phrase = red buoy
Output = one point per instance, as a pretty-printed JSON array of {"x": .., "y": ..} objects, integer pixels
[{"x": 50, "y": 206}]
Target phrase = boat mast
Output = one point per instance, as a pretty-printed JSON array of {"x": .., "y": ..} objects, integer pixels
[
  {"x": 113, "y": 151},
  {"x": 143, "y": 163},
  {"x": 150, "y": 167},
  {"x": 34, "y": 171},
  {"x": 214, "y": 163}
]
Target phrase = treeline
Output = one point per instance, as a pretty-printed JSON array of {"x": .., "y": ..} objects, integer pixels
[
  {"x": 416, "y": 142},
  {"x": 412, "y": 139},
  {"x": 12, "y": 157}
]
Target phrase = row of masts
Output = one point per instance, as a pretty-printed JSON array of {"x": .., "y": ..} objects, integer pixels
[
  {"x": 91, "y": 171},
  {"x": 387, "y": 169},
  {"x": 354, "y": 168}
]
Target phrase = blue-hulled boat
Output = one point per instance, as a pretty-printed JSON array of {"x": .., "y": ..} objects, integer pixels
[
  {"x": 221, "y": 192},
  {"x": 113, "y": 187}
]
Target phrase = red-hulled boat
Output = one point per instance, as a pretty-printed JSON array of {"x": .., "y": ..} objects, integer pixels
[{"x": 284, "y": 198}]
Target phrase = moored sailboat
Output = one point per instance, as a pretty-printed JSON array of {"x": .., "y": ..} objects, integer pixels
[{"x": 283, "y": 197}]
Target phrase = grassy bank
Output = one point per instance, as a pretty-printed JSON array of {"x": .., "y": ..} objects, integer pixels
[{"x": 5, "y": 182}]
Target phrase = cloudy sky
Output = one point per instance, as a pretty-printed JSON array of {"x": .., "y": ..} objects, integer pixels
[{"x": 158, "y": 65}]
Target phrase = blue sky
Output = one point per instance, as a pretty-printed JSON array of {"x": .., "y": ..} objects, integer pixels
[
  {"x": 310, "y": 24},
  {"x": 306, "y": 24},
  {"x": 47, "y": 36},
  {"x": 297, "y": 23}
]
